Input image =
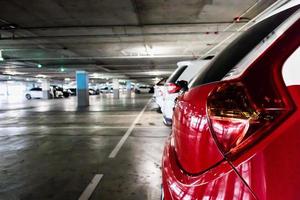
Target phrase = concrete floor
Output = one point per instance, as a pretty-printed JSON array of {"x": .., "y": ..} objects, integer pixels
[{"x": 51, "y": 150}]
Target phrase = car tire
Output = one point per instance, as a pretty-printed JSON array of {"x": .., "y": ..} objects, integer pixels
[{"x": 28, "y": 96}]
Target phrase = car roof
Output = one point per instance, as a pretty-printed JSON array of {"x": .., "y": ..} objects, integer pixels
[{"x": 281, "y": 7}]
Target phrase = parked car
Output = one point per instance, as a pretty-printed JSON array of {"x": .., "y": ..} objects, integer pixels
[
  {"x": 235, "y": 132},
  {"x": 72, "y": 91},
  {"x": 158, "y": 93},
  {"x": 65, "y": 92},
  {"x": 106, "y": 89},
  {"x": 92, "y": 92},
  {"x": 56, "y": 91},
  {"x": 151, "y": 90},
  {"x": 142, "y": 89},
  {"x": 180, "y": 78},
  {"x": 34, "y": 93}
]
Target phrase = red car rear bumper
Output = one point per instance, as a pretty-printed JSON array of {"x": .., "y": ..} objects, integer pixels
[{"x": 220, "y": 182}]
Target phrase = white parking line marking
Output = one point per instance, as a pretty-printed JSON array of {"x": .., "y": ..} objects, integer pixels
[
  {"x": 114, "y": 152},
  {"x": 87, "y": 193}
]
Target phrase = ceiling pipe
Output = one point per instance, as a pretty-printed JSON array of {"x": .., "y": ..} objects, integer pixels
[
  {"x": 104, "y": 57},
  {"x": 122, "y": 26}
]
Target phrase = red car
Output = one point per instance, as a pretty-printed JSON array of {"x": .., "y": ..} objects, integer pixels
[{"x": 236, "y": 131}]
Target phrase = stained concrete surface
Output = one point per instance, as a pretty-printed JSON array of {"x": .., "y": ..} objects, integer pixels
[{"x": 51, "y": 150}]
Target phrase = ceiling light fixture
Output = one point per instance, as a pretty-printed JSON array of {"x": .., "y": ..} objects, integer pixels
[
  {"x": 40, "y": 76},
  {"x": 1, "y": 57}
]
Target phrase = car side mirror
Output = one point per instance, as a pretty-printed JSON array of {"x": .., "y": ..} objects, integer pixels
[{"x": 183, "y": 84}]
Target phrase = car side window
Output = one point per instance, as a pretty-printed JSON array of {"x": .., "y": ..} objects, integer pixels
[
  {"x": 291, "y": 69},
  {"x": 36, "y": 89}
]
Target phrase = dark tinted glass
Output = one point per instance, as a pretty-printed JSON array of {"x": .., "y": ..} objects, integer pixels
[
  {"x": 173, "y": 78},
  {"x": 240, "y": 47},
  {"x": 36, "y": 89}
]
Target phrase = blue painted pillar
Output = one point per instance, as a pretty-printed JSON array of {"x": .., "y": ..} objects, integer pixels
[{"x": 82, "y": 92}]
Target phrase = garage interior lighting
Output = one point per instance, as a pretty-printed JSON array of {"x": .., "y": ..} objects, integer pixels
[
  {"x": 13, "y": 72},
  {"x": 40, "y": 76},
  {"x": 1, "y": 57}
]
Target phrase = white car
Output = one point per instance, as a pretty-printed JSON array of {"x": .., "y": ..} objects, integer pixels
[
  {"x": 34, "y": 93},
  {"x": 158, "y": 93},
  {"x": 185, "y": 72},
  {"x": 106, "y": 90},
  {"x": 142, "y": 89}
]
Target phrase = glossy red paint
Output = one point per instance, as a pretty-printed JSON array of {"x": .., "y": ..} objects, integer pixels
[
  {"x": 273, "y": 172},
  {"x": 245, "y": 110},
  {"x": 272, "y": 167},
  {"x": 260, "y": 159},
  {"x": 220, "y": 182},
  {"x": 193, "y": 140}
]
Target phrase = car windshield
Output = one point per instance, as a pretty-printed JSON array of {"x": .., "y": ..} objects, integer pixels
[{"x": 239, "y": 48}]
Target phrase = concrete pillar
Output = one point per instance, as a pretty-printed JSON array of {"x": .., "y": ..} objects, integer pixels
[
  {"x": 82, "y": 81},
  {"x": 46, "y": 89},
  {"x": 128, "y": 88},
  {"x": 116, "y": 88},
  {"x": 109, "y": 87}
]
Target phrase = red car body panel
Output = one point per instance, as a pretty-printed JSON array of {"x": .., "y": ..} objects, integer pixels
[
  {"x": 220, "y": 182},
  {"x": 274, "y": 170},
  {"x": 266, "y": 164},
  {"x": 193, "y": 138}
]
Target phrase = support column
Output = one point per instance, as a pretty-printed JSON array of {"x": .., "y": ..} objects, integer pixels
[
  {"x": 82, "y": 91},
  {"x": 116, "y": 88},
  {"x": 46, "y": 89},
  {"x": 128, "y": 88}
]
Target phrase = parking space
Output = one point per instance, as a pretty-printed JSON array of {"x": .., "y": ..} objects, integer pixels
[{"x": 55, "y": 153}]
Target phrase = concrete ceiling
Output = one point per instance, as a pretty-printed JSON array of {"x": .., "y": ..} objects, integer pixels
[{"x": 132, "y": 39}]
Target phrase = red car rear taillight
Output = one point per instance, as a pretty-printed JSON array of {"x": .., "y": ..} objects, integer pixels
[
  {"x": 238, "y": 120},
  {"x": 173, "y": 88},
  {"x": 244, "y": 110}
]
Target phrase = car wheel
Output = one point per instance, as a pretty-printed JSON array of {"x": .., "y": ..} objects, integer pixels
[{"x": 28, "y": 96}]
